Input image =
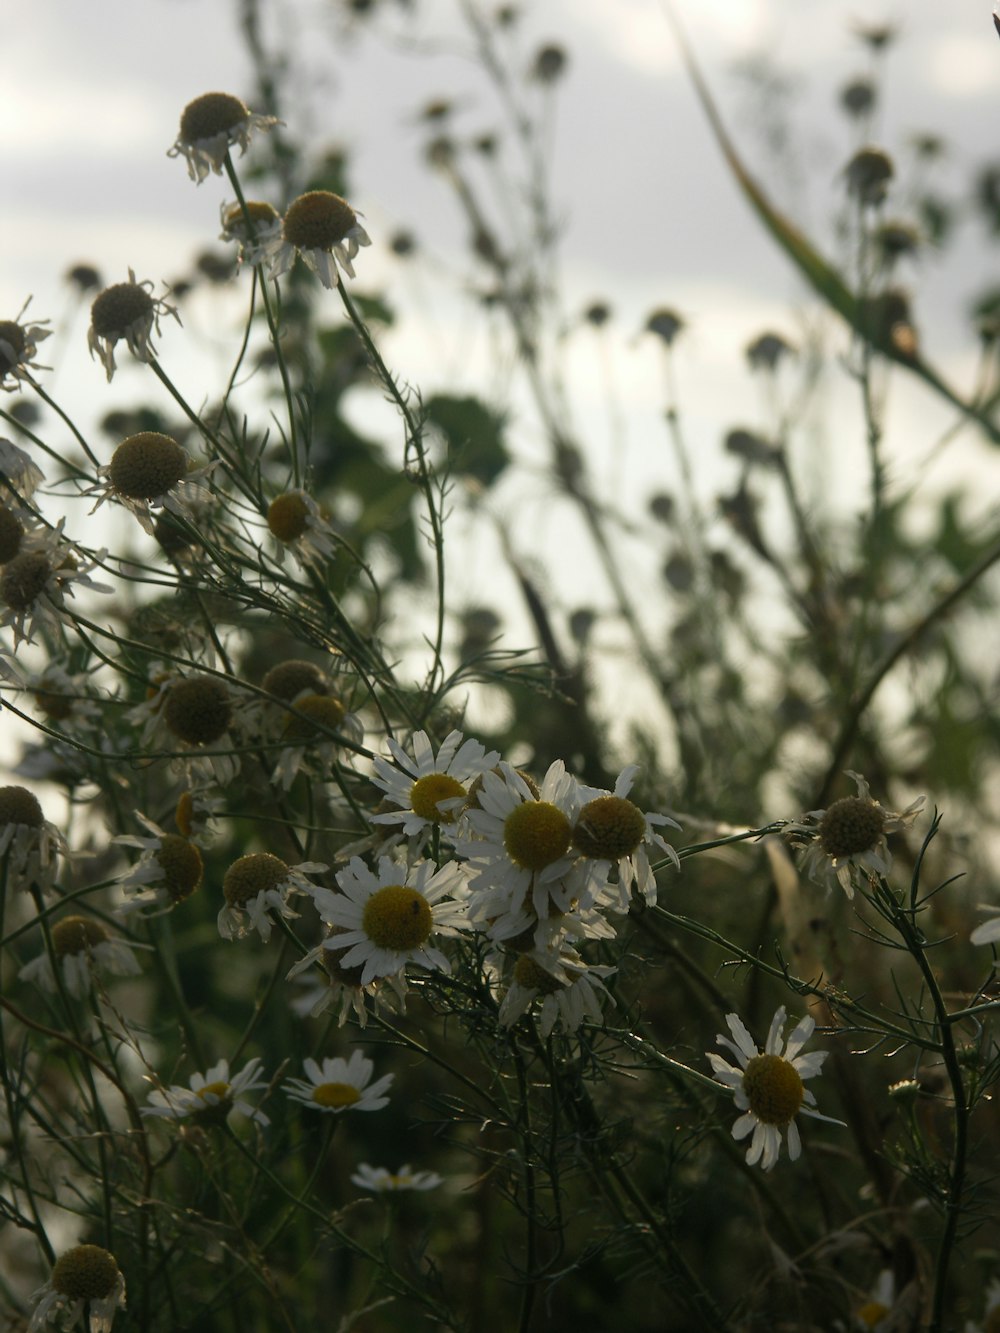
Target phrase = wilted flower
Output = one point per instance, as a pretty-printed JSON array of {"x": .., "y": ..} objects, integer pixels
[
  {"x": 846, "y": 843},
  {"x": 210, "y": 126},
  {"x": 298, "y": 524},
  {"x": 168, "y": 872},
  {"x": 569, "y": 990},
  {"x": 18, "y": 345},
  {"x": 17, "y": 471},
  {"x": 80, "y": 944},
  {"x": 35, "y": 584},
  {"x": 868, "y": 175},
  {"x": 150, "y": 470},
  {"x": 257, "y": 885},
  {"x": 126, "y": 311},
  {"x": 84, "y": 1278},
  {"x": 29, "y": 844},
  {"x": 251, "y": 225},
  {"x": 324, "y": 230}
]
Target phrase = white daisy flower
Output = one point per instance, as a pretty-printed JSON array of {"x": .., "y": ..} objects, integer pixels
[
  {"x": 768, "y": 1086},
  {"x": 380, "y": 1181},
  {"x": 324, "y": 230},
  {"x": 570, "y": 991},
  {"x": 29, "y": 844},
  {"x": 521, "y": 853},
  {"x": 845, "y": 844},
  {"x": 430, "y": 789},
  {"x": 126, "y": 311},
  {"x": 210, "y": 126},
  {"x": 211, "y": 1096},
  {"x": 35, "y": 584},
  {"x": 85, "y": 1277},
  {"x": 612, "y": 828},
  {"x": 81, "y": 945},
  {"x": 340, "y": 1085},
  {"x": 257, "y": 886},
  {"x": 388, "y": 919},
  {"x": 151, "y": 471},
  {"x": 18, "y": 346}
]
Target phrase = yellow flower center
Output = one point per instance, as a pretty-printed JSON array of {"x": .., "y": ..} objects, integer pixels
[
  {"x": 535, "y": 834},
  {"x": 251, "y": 875},
  {"x": 85, "y": 1273},
  {"x": 262, "y": 215},
  {"x": 609, "y": 827},
  {"x": 532, "y": 976},
  {"x": 219, "y": 1089},
  {"x": 288, "y": 516},
  {"x": 211, "y": 114},
  {"x": 11, "y": 532},
  {"x": 318, "y": 220},
  {"x": 24, "y": 578},
  {"x": 198, "y": 710},
  {"x": 290, "y": 678},
  {"x": 773, "y": 1088},
  {"x": 20, "y": 806},
  {"x": 181, "y": 864},
  {"x": 184, "y": 814},
  {"x": 146, "y": 465},
  {"x": 872, "y": 1312},
  {"x": 850, "y": 826},
  {"x": 335, "y": 1094},
  {"x": 312, "y": 713},
  {"x": 397, "y": 917},
  {"x": 77, "y": 934},
  {"x": 119, "y": 307},
  {"x": 427, "y": 791}
]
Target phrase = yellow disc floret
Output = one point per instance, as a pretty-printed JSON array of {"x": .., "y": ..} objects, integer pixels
[
  {"x": 251, "y": 875},
  {"x": 24, "y": 578},
  {"x": 210, "y": 115},
  {"x": 427, "y": 791},
  {"x": 198, "y": 710},
  {"x": 535, "y": 834},
  {"x": 609, "y": 827},
  {"x": 850, "y": 826},
  {"x": 77, "y": 934},
  {"x": 397, "y": 917},
  {"x": 773, "y": 1088},
  {"x": 146, "y": 465},
  {"x": 532, "y": 976},
  {"x": 85, "y": 1273},
  {"x": 335, "y": 1095},
  {"x": 288, "y": 516},
  {"x": 313, "y": 712},
  {"x": 181, "y": 864},
  {"x": 318, "y": 220}
]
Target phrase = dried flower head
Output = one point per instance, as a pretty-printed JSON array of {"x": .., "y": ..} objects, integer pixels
[
  {"x": 151, "y": 470},
  {"x": 28, "y": 842},
  {"x": 18, "y": 345},
  {"x": 35, "y": 583},
  {"x": 251, "y": 225},
  {"x": 324, "y": 230},
  {"x": 298, "y": 524},
  {"x": 86, "y": 1277},
  {"x": 126, "y": 311},
  {"x": 168, "y": 872},
  {"x": 80, "y": 944},
  {"x": 210, "y": 126},
  {"x": 257, "y": 885},
  {"x": 868, "y": 175}
]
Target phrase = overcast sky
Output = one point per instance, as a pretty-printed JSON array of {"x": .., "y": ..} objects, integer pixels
[{"x": 90, "y": 97}]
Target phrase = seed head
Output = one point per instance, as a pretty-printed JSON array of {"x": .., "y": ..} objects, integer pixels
[
  {"x": 210, "y": 115},
  {"x": 85, "y": 1273},
  {"x": 20, "y": 806},
  {"x": 77, "y": 934},
  {"x": 290, "y": 678},
  {"x": 13, "y": 341},
  {"x": 251, "y": 875},
  {"x": 318, "y": 220},
  {"x": 120, "y": 307},
  {"x": 198, "y": 710},
  {"x": 288, "y": 516},
  {"x": 850, "y": 826},
  {"x": 24, "y": 578},
  {"x": 182, "y": 866},
  {"x": 147, "y": 465}
]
